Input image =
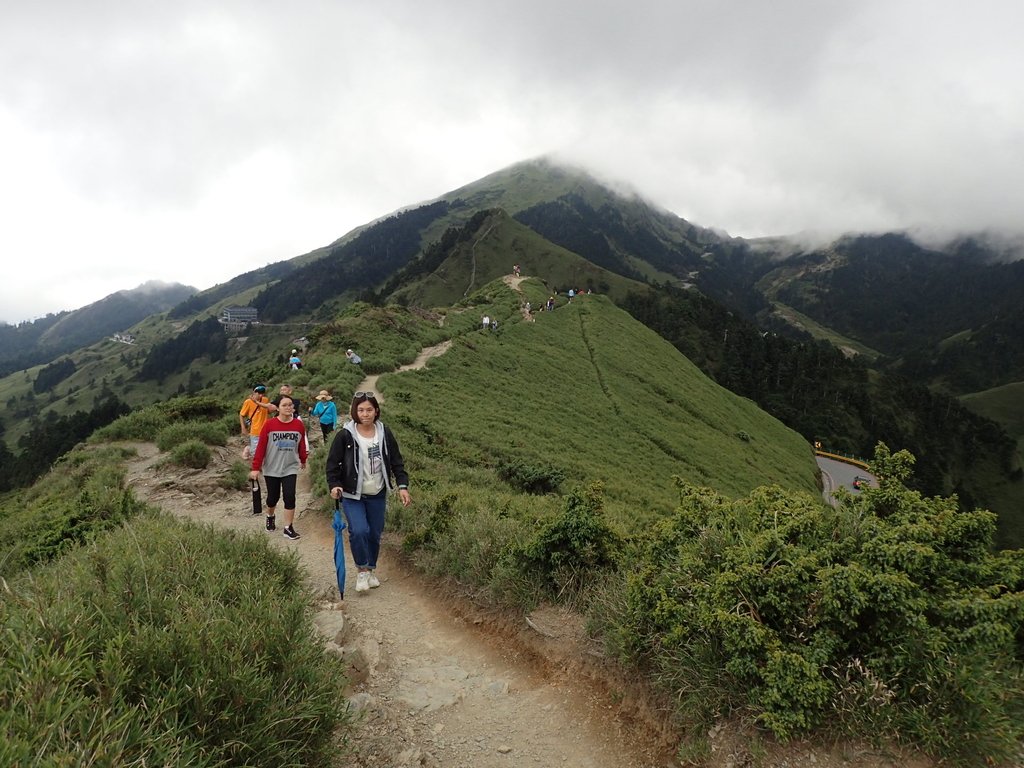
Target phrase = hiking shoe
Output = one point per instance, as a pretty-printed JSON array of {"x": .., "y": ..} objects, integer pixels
[
  {"x": 290, "y": 533},
  {"x": 363, "y": 581},
  {"x": 373, "y": 581},
  {"x": 270, "y": 523}
]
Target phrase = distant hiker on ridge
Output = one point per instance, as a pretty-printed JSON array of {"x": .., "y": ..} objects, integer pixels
[{"x": 353, "y": 357}]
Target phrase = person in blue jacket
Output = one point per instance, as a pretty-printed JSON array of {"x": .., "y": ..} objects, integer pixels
[{"x": 326, "y": 411}]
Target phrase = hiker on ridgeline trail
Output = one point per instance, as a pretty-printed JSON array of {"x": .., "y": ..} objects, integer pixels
[
  {"x": 487, "y": 322},
  {"x": 353, "y": 357},
  {"x": 363, "y": 458},
  {"x": 326, "y": 411},
  {"x": 515, "y": 270},
  {"x": 280, "y": 454},
  {"x": 294, "y": 362},
  {"x": 252, "y": 416}
]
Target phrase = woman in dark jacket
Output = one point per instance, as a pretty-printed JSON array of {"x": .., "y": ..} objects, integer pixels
[{"x": 363, "y": 458}]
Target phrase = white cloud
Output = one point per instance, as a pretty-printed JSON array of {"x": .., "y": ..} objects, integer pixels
[{"x": 190, "y": 142}]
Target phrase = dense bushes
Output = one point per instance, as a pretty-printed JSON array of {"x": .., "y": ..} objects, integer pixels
[
  {"x": 888, "y": 617},
  {"x": 205, "y": 432},
  {"x": 532, "y": 478},
  {"x": 147, "y": 423},
  {"x": 191, "y": 453},
  {"x": 165, "y": 644}
]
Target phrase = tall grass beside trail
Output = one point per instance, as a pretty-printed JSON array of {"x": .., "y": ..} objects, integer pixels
[
  {"x": 166, "y": 643},
  {"x": 205, "y": 432},
  {"x": 82, "y": 495},
  {"x": 147, "y": 423}
]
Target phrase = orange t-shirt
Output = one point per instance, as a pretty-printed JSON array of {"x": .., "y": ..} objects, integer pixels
[{"x": 256, "y": 415}]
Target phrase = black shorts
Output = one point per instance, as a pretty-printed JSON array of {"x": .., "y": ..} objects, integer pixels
[{"x": 278, "y": 486}]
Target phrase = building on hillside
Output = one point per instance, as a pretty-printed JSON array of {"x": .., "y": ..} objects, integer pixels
[{"x": 236, "y": 318}]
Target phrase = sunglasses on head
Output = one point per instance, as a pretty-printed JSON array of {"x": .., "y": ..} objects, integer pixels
[{"x": 364, "y": 394}]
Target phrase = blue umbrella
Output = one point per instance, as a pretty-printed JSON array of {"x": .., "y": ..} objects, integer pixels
[{"x": 339, "y": 546}]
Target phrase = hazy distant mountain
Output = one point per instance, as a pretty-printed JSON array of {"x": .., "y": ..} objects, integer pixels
[{"x": 43, "y": 340}]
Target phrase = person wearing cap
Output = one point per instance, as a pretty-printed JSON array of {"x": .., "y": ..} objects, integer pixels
[
  {"x": 252, "y": 416},
  {"x": 353, "y": 357},
  {"x": 326, "y": 411},
  {"x": 295, "y": 362}
]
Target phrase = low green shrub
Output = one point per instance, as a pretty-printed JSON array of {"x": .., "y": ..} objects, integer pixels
[
  {"x": 137, "y": 425},
  {"x": 146, "y": 423},
  {"x": 237, "y": 476},
  {"x": 166, "y": 643},
  {"x": 191, "y": 453},
  {"x": 575, "y": 547},
  {"x": 887, "y": 618},
  {"x": 209, "y": 433},
  {"x": 538, "y": 477}
]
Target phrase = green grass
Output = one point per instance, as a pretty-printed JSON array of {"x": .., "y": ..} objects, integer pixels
[
  {"x": 1004, "y": 405},
  {"x": 83, "y": 495},
  {"x": 501, "y": 242},
  {"x": 598, "y": 397},
  {"x": 166, "y": 643},
  {"x": 799, "y": 320},
  {"x": 543, "y": 460}
]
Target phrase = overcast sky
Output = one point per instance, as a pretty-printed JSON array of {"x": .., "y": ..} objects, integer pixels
[{"x": 191, "y": 141}]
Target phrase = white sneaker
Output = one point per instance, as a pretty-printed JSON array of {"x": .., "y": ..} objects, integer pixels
[
  {"x": 373, "y": 581},
  {"x": 363, "y": 581}
]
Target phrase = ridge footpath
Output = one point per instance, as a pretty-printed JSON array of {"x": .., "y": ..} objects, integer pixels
[{"x": 436, "y": 682}]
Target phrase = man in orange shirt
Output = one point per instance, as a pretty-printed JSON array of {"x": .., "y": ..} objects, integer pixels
[{"x": 252, "y": 416}]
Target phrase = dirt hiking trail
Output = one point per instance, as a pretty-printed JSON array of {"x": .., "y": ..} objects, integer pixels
[{"x": 438, "y": 681}]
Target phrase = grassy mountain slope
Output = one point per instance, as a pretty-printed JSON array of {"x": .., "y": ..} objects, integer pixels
[
  {"x": 489, "y": 251},
  {"x": 591, "y": 394}
]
